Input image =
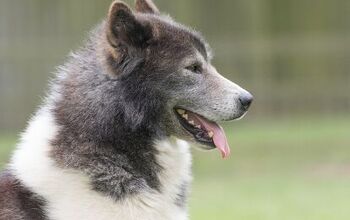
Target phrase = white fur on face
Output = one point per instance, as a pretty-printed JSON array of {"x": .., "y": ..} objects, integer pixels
[{"x": 68, "y": 192}]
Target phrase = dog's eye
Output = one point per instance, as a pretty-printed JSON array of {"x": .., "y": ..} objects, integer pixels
[{"x": 195, "y": 68}]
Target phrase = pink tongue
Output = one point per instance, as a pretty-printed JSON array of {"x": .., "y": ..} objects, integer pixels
[{"x": 219, "y": 137}]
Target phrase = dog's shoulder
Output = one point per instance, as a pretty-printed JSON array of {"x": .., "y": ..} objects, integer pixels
[{"x": 17, "y": 202}]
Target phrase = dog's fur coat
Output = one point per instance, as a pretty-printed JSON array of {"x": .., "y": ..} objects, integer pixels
[{"x": 106, "y": 143}]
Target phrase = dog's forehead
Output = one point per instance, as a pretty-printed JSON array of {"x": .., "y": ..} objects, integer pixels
[{"x": 172, "y": 32}]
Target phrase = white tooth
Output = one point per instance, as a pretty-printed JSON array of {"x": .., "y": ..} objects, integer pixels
[
  {"x": 185, "y": 116},
  {"x": 191, "y": 122},
  {"x": 211, "y": 134},
  {"x": 180, "y": 111},
  {"x": 198, "y": 126}
]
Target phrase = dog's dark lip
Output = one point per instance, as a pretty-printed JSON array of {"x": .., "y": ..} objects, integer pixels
[{"x": 200, "y": 135}]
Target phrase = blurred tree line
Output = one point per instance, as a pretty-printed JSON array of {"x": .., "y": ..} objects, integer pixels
[{"x": 293, "y": 55}]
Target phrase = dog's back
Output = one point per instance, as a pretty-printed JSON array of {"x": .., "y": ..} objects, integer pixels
[{"x": 17, "y": 202}]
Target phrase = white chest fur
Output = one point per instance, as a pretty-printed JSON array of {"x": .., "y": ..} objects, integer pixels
[{"x": 68, "y": 192}]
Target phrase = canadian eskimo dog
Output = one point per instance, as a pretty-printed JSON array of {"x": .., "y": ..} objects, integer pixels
[{"x": 111, "y": 139}]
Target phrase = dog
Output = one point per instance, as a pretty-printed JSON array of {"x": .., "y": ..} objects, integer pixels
[{"x": 111, "y": 140}]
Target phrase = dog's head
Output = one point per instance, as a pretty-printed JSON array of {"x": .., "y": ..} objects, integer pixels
[{"x": 168, "y": 68}]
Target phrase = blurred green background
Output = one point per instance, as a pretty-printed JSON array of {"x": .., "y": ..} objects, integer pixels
[{"x": 290, "y": 155}]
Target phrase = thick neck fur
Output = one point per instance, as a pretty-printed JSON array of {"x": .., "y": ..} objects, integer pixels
[{"x": 107, "y": 127}]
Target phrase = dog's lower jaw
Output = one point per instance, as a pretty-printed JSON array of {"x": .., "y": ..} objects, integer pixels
[{"x": 68, "y": 192}]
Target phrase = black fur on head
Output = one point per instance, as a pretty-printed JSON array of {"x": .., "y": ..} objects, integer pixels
[
  {"x": 125, "y": 30},
  {"x": 116, "y": 97},
  {"x": 146, "y": 6}
]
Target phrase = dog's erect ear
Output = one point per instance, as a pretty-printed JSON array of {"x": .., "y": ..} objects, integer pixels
[
  {"x": 146, "y": 6},
  {"x": 124, "y": 28}
]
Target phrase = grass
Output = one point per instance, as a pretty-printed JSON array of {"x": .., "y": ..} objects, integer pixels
[
  {"x": 286, "y": 169},
  {"x": 270, "y": 198},
  {"x": 281, "y": 169},
  {"x": 7, "y": 144}
]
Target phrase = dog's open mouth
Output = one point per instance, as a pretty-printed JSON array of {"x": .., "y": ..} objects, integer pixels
[{"x": 204, "y": 131}]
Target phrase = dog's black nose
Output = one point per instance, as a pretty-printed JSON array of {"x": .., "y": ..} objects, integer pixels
[{"x": 246, "y": 99}]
